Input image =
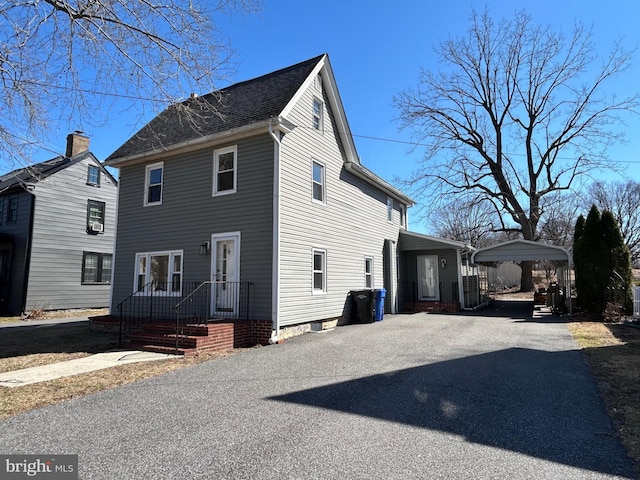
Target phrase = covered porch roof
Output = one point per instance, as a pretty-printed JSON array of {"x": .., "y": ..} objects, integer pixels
[{"x": 418, "y": 241}]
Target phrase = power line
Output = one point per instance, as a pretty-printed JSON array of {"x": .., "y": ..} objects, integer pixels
[{"x": 368, "y": 137}]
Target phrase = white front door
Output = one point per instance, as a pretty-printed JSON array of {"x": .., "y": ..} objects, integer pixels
[
  {"x": 428, "y": 282},
  {"x": 225, "y": 274}
]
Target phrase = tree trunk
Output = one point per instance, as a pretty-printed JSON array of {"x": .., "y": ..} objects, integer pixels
[{"x": 526, "y": 279}]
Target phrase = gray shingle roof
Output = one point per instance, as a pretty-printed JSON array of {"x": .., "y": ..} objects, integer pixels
[
  {"x": 238, "y": 105},
  {"x": 32, "y": 173}
]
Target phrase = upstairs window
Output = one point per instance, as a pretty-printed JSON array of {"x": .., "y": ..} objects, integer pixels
[
  {"x": 317, "y": 115},
  {"x": 95, "y": 216},
  {"x": 319, "y": 271},
  {"x": 368, "y": 272},
  {"x": 93, "y": 176},
  {"x": 12, "y": 214},
  {"x": 318, "y": 183},
  {"x": 389, "y": 209},
  {"x": 96, "y": 268},
  {"x": 1, "y": 211},
  {"x": 403, "y": 216},
  {"x": 225, "y": 170},
  {"x": 153, "y": 184},
  {"x": 159, "y": 272}
]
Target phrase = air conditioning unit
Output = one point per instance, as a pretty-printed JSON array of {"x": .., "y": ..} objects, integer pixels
[{"x": 96, "y": 227}]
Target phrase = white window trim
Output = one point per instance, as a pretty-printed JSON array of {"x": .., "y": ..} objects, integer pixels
[
  {"x": 324, "y": 182},
  {"x": 171, "y": 253},
  {"x": 216, "y": 164},
  {"x": 366, "y": 259},
  {"x": 147, "y": 173},
  {"x": 323, "y": 252},
  {"x": 390, "y": 209},
  {"x": 321, "y": 117}
]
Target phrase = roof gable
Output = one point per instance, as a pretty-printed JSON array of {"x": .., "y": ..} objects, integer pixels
[
  {"x": 40, "y": 171},
  {"x": 236, "y": 106}
]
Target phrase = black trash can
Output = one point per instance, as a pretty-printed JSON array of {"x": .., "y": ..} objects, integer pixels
[{"x": 363, "y": 308}]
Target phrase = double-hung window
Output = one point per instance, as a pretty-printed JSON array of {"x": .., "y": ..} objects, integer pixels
[
  {"x": 317, "y": 115},
  {"x": 318, "y": 182},
  {"x": 159, "y": 272},
  {"x": 319, "y": 271},
  {"x": 12, "y": 214},
  {"x": 225, "y": 163},
  {"x": 93, "y": 176},
  {"x": 96, "y": 268},
  {"x": 154, "y": 176},
  {"x": 389, "y": 209},
  {"x": 368, "y": 272},
  {"x": 95, "y": 216}
]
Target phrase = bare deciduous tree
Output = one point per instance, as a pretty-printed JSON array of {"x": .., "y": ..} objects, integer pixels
[
  {"x": 622, "y": 199},
  {"x": 518, "y": 112},
  {"x": 64, "y": 62},
  {"x": 466, "y": 221}
]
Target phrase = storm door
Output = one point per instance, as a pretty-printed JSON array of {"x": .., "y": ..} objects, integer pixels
[
  {"x": 225, "y": 274},
  {"x": 428, "y": 282}
]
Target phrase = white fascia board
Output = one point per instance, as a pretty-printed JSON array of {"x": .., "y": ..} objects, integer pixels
[{"x": 323, "y": 68}]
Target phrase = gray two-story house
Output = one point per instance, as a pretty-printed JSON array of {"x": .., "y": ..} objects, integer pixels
[
  {"x": 261, "y": 194},
  {"x": 57, "y": 227}
]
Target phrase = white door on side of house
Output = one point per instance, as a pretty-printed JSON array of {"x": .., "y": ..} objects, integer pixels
[
  {"x": 225, "y": 274},
  {"x": 428, "y": 282}
]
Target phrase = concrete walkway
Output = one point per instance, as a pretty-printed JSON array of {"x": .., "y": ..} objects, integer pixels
[{"x": 99, "y": 361}]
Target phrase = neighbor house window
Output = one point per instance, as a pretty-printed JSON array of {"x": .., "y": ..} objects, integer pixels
[
  {"x": 225, "y": 170},
  {"x": 368, "y": 272},
  {"x": 319, "y": 271},
  {"x": 159, "y": 272},
  {"x": 96, "y": 268},
  {"x": 318, "y": 182},
  {"x": 1, "y": 211},
  {"x": 403, "y": 216},
  {"x": 95, "y": 216},
  {"x": 317, "y": 114},
  {"x": 154, "y": 176},
  {"x": 389, "y": 209},
  {"x": 12, "y": 214},
  {"x": 93, "y": 176}
]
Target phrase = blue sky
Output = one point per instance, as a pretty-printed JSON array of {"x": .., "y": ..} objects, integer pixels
[{"x": 377, "y": 48}]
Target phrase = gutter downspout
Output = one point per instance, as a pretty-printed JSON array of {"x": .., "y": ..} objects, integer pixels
[{"x": 275, "y": 256}]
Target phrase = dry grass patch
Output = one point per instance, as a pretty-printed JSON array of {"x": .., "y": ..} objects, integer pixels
[
  {"x": 21, "y": 399},
  {"x": 613, "y": 354},
  {"x": 30, "y": 346}
]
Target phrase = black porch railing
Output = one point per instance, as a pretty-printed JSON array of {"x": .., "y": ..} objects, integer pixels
[
  {"x": 181, "y": 303},
  {"x": 408, "y": 292}
]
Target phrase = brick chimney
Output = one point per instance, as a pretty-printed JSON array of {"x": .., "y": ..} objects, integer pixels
[{"x": 76, "y": 143}]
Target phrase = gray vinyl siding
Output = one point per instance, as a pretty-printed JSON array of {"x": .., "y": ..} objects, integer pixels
[
  {"x": 351, "y": 226},
  {"x": 189, "y": 215},
  {"x": 14, "y": 303},
  {"x": 60, "y": 237}
]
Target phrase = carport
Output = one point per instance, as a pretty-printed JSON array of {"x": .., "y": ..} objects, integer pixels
[{"x": 526, "y": 250}]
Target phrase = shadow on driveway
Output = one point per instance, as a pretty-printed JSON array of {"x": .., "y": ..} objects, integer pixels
[{"x": 522, "y": 400}]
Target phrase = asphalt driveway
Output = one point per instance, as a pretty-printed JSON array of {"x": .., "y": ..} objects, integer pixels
[{"x": 498, "y": 396}]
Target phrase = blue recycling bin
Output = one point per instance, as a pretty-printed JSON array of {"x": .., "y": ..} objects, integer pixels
[{"x": 380, "y": 295}]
